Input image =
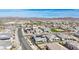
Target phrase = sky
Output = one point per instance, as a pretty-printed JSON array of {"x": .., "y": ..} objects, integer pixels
[{"x": 46, "y": 13}]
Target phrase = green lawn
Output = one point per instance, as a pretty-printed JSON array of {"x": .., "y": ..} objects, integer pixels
[
  {"x": 38, "y": 23},
  {"x": 56, "y": 30}
]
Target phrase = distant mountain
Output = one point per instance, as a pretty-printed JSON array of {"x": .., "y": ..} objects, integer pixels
[{"x": 26, "y": 18}]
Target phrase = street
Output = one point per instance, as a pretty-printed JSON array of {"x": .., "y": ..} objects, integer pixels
[{"x": 23, "y": 41}]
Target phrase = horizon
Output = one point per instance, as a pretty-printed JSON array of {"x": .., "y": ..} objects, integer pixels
[{"x": 40, "y": 13}]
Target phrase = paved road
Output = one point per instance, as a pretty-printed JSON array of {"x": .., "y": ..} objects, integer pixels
[{"x": 23, "y": 41}]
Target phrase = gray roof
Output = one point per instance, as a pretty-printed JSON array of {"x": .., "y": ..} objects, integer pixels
[
  {"x": 64, "y": 36},
  {"x": 74, "y": 43},
  {"x": 77, "y": 33},
  {"x": 5, "y": 44},
  {"x": 4, "y": 36},
  {"x": 39, "y": 38},
  {"x": 52, "y": 36}
]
